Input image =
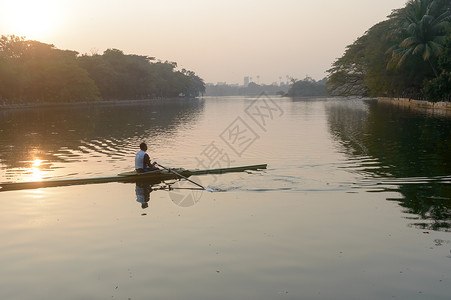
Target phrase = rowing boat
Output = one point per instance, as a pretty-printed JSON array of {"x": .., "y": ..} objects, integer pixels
[{"x": 133, "y": 176}]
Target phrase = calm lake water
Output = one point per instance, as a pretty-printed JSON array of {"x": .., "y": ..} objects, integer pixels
[{"x": 355, "y": 203}]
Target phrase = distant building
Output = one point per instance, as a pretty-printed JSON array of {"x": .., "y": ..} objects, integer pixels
[{"x": 246, "y": 81}]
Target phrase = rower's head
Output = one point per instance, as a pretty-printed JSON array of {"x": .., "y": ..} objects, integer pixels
[{"x": 143, "y": 146}]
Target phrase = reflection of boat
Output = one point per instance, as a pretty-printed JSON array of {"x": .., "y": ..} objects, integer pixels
[{"x": 152, "y": 176}]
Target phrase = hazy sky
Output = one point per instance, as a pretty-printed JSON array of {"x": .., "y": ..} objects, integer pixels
[{"x": 220, "y": 40}]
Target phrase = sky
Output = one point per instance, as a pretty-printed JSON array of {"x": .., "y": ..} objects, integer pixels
[{"x": 220, "y": 40}]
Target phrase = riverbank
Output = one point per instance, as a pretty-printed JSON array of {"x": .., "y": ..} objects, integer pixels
[
  {"x": 78, "y": 104},
  {"x": 439, "y": 108}
]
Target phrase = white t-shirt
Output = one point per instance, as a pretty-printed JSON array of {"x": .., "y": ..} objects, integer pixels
[{"x": 139, "y": 160}]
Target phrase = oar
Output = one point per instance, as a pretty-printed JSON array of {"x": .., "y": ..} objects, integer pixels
[{"x": 180, "y": 175}]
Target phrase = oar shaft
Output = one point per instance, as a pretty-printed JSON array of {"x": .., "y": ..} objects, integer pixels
[{"x": 178, "y": 174}]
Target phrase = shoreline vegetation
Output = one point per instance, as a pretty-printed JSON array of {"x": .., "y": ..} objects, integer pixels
[
  {"x": 32, "y": 72},
  {"x": 307, "y": 87},
  {"x": 11, "y": 106},
  {"x": 406, "y": 56}
]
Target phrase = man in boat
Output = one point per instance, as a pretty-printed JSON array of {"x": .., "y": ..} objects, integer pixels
[{"x": 142, "y": 160}]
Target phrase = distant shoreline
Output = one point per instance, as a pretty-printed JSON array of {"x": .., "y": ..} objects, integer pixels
[
  {"x": 5, "y": 107},
  {"x": 442, "y": 108}
]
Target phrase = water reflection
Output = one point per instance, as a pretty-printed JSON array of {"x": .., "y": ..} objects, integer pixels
[
  {"x": 87, "y": 134},
  {"x": 143, "y": 190},
  {"x": 401, "y": 151},
  {"x": 180, "y": 192},
  {"x": 35, "y": 170},
  {"x": 183, "y": 194}
]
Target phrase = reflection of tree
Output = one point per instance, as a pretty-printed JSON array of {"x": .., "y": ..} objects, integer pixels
[
  {"x": 406, "y": 146},
  {"x": 430, "y": 202},
  {"x": 60, "y": 133}
]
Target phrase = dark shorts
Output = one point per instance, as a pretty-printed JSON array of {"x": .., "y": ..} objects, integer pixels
[{"x": 145, "y": 170}]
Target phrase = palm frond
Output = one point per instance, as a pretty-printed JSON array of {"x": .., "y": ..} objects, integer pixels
[
  {"x": 444, "y": 17},
  {"x": 427, "y": 52},
  {"x": 407, "y": 42},
  {"x": 391, "y": 49},
  {"x": 440, "y": 39},
  {"x": 418, "y": 49},
  {"x": 405, "y": 55},
  {"x": 436, "y": 48}
]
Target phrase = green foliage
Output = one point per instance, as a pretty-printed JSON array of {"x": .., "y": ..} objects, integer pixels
[
  {"x": 439, "y": 89},
  {"x": 122, "y": 77},
  {"x": 421, "y": 28},
  {"x": 118, "y": 76},
  {"x": 252, "y": 89},
  {"x": 398, "y": 56},
  {"x": 31, "y": 71},
  {"x": 307, "y": 87},
  {"x": 444, "y": 61},
  {"x": 347, "y": 75}
]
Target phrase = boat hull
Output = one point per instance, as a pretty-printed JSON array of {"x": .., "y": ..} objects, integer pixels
[{"x": 152, "y": 177}]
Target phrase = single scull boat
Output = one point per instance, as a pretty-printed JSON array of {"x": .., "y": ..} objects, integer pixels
[{"x": 133, "y": 176}]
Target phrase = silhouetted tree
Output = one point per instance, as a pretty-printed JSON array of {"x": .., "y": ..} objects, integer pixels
[{"x": 31, "y": 71}]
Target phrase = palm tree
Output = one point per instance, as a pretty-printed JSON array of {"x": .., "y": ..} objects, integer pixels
[{"x": 423, "y": 27}]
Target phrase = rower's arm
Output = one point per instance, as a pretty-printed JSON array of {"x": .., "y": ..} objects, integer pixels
[{"x": 147, "y": 161}]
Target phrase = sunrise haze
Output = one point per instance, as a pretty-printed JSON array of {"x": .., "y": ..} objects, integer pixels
[{"x": 222, "y": 41}]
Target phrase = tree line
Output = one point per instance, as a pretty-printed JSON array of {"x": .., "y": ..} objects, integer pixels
[
  {"x": 252, "y": 89},
  {"x": 308, "y": 87},
  {"x": 33, "y": 72},
  {"x": 408, "y": 55}
]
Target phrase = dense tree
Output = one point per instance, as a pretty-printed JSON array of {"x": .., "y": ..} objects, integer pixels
[
  {"x": 397, "y": 57},
  {"x": 439, "y": 89},
  {"x": 347, "y": 75},
  {"x": 122, "y": 77},
  {"x": 307, "y": 87},
  {"x": 422, "y": 29},
  {"x": 252, "y": 89},
  {"x": 195, "y": 84},
  {"x": 119, "y": 76},
  {"x": 31, "y": 71}
]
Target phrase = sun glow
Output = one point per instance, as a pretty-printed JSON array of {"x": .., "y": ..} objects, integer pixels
[
  {"x": 36, "y": 172},
  {"x": 30, "y": 18},
  {"x": 37, "y": 162}
]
